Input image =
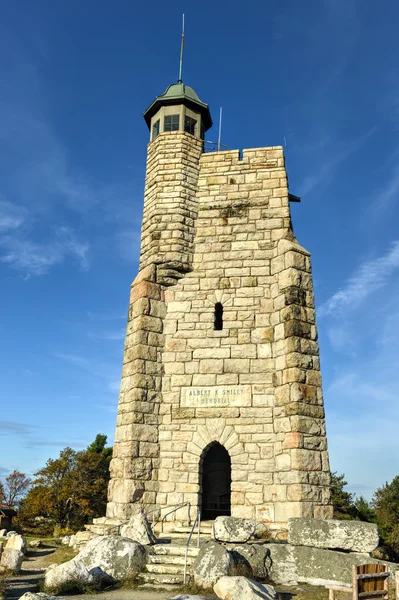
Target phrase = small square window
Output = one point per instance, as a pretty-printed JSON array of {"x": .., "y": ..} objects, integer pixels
[
  {"x": 171, "y": 123},
  {"x": 189, "y": 125},
  {"x": 155, "y": 129}
]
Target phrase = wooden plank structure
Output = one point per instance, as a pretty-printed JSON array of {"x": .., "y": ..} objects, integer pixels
[{"x": 368, "y": 582}]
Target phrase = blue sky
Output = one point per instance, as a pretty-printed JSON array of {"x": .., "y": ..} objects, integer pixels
[{"x": 320, "y": 77}]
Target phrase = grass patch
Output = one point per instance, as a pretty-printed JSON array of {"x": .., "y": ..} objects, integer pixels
[
  {"x": 130, "y": 583},
  {"x": 192, "y": 588},
  {"x": 75, "y": 587},
  {"x": 3, "y": 585}
]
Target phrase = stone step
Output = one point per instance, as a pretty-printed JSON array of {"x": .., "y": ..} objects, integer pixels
[
  {"x": 176, "y": 535},
  {"x": 187, "y": 530},
  {"x": 170, "y": 559},
  {"x": 106, "y": 521},
  {"x": 174, "y": 549},
  {"x": 165, "y": 569},
  {"x": 162, "y": 578}
]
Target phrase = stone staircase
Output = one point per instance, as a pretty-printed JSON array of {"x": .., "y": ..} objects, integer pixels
[{"x": 165, "y": 562}]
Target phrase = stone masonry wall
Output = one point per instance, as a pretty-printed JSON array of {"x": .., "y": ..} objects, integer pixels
[
  {"x": 247, "y": 258},
  {"x": 170, "y": 210},
  {"x": 217, "y": 228}
]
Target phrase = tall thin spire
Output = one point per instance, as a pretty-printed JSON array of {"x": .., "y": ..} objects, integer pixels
[{"x": 180, "y": 80}]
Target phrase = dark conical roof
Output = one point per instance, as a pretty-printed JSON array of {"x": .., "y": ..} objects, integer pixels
[{"x": 178, "y": 93}]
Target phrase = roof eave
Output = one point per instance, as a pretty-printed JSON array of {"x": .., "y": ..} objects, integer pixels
[{"x": 160, "y": 101}]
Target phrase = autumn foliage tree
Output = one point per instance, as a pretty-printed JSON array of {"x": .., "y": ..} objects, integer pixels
[
  {"x": 71, "y": 489},
  {"x": 14, "y": 487}
]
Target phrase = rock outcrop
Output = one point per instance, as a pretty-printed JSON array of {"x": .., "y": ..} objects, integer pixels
[
  {"x": 241, "y": 588},
  {"x": 39, "y": 596},
  {"x": 12, "y": 559},
  {"x": 316, "y": 566},
  {"x": 73, "y": 570},
  {"x": 353, "y": 536},
  {"x": 16, "y": 542},
  {"x": 256, "y": 557},
  {"x": 231, "y": 529},
  {"x": 212, "y": 562},
  {"x": 117, "y": 556},
  {"x": 138, "y": 528}
]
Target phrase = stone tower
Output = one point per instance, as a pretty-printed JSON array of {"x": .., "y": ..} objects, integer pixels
[{"x": 221, "y": 402}]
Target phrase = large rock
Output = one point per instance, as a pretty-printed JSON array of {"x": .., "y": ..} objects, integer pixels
[
  {"x": 65, "y": 540},
  {"x": 241, "y": 588},
  {"x": 73, "y": 570},
  {"x": 12, "y": 560},
  {"x": 11, "y": 533},
  {"x": 256, "y": 557},
  {"x": 118, "y": 557},
  {"x": 302, "y": 564},
  {"x": 138, "y": 528},
  {"x": 189, "y": 597},
  {"x": 355, "y": 536},
  {"x": 39, "y": 596},
  {"x": 212, "y": 562},
  {"x": 16, "y": 542},
  {"x": 231, "y": 529}
]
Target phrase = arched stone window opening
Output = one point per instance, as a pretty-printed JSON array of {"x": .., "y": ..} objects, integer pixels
[
  {"x": 215, "y": 482},
  {"x": 218, "y": 316}
]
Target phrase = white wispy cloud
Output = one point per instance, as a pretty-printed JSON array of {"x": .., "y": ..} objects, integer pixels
[
  {"x": 11, "y": 215},
  {"x": 108, "y": 372},
  {"x": 331, "y": 162},
  {"x": 32, "y": 258},
  {"x": 52, "y": 195},
  {"x": 370, "y": 276},
  {"x": 388, "y": 194}
]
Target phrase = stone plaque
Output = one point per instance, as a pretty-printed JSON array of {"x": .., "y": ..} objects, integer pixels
[{"x": 216, "y": 396}]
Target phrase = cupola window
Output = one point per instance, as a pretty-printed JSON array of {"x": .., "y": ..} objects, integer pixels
[
  {"x": 189, "y": 125},
  {"x": 218, "y": 316},
  {"x": 171, "y": 123},
  {"x": 155, "y": 129}
]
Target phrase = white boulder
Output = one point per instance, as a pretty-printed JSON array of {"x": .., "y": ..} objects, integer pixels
[
  {"x": 16, "y": 542},
  {"x": 353, "y": 536},
  {"x": 3, "y": 532},
  {"x": 65, "y": 540},
  {"x": 189, "y": 597},
  {"x": 12, "y": 560},
  {"x": 118, "y": 557},
  {"x": 73, "y": 570},
  {"x": 241, "y": 588},
  {"x": 138, "y": 528},
  {"x": 231, "y": 529},
  {"x": 39, "y": 596},
  {"x": 11, "y": 533},
  {"x": 72, "y": 541},
  {"x": 212, "y": 562}
]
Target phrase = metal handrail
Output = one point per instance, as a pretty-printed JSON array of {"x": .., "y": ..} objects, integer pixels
[
  {"x": 197, "y": 520},
  {"x": 176, "y": 507}
]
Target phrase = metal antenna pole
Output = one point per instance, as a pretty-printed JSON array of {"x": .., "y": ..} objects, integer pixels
[
  {"x": 220, "y": 128},
  {"x": 180, "y": 80}
]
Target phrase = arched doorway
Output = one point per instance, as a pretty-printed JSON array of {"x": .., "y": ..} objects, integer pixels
[{"x": 215, "y": 482}]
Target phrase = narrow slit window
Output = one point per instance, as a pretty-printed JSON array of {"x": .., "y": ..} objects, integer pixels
[
  {"x": 218, "y": 316},
  {"x": 155, "y": 130}
]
